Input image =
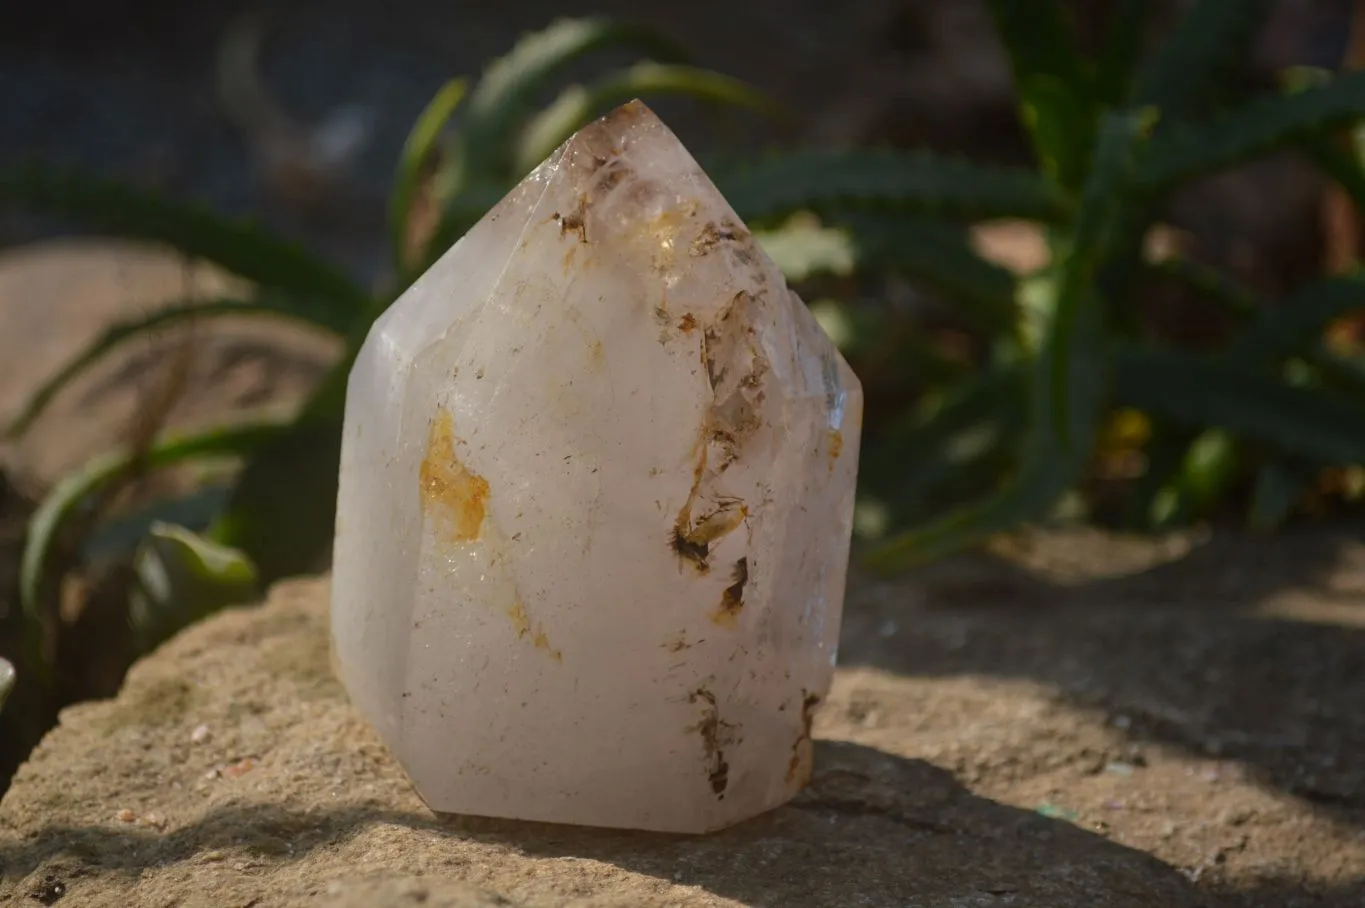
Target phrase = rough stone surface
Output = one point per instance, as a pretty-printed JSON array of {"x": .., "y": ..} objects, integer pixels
[
  {"x": 596, "y": 498},
  {"x": 1089, "y": 723},
  {"x": 57, "y": 296}
]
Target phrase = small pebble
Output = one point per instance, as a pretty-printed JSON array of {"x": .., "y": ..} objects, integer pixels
[
  {"x": 154, "y": 820},
  {"x": 125, "y": 816},
  {"x": 238, "y": 769},
  {"x": 200, "y": 735}
]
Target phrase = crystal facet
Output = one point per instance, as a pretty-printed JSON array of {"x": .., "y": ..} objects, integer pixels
[{"x": 596, "y": 497}]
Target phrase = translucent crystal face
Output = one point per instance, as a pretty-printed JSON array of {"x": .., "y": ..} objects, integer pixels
[{"x": 596, "y": 497}]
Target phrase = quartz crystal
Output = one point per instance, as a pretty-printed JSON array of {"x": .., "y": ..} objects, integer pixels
[{"x": 596, "y": 497}]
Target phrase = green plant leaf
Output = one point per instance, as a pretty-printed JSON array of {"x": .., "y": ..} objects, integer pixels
[
  {"x": 802, "y": 249},
  {"x": 506, "y": 92},
  {"x": 1345, "y": 165},
  {"x": 1123, "y": 46},
  {"x": 1195, "y": 57},
  {"x": 577, "y": 105},
  {"x": 1340, "y": 165},
  {"x": 6, "y": 681},
  {"x": 774, "y": 187},
  {"x": 181, "y": 578},
  {"x": 1344, "y": 373},
  {"x": 1152, "y": 501},
  {"x": 116, "y": 209},
  {"x": 1207, "y": 471},
  {"x": 117, "y": 538},
  {"x": 413, "y": 161},
  {"x": 282, "y": 510},
  {"x": 76, "y": 488},
  {"x": 1100, "y": 223},
  {"x": 1252, "y": 129},
  {"x": 116, "y": 335},
  {"x": 1297, "y": 324},
  {"x": 1205, "y": 390},
  {"x": 1280, "y": 485},
  {"x": 1053, "y": 82},
  {"x": 1212, "y": 284},
  {"x": 1046, "y": 470},
  {"x": 1039, "y": 38},
  {"x": 941, "y": 257},
  {"x": 889, "y": 349},
  {"x": 935, "y": 253},
  {"x": 917, "y": 458}
]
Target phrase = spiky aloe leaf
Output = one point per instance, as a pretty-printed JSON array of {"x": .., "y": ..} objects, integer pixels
[
  {"x": 887, "y": 349},
  {"x": 942, "y": 258},
  {"x": 1040, "y": 39},
  {"x": 919, "y": 456},
  {"x": 1099, "y": 225},
  {"x": 802, "y": 249},
  {"x": 1054, "y": 85},
  {"x": 506, "y": 92},
  {"x": 1211, "y": 283},
  {"x": 1297, "y": 324},
  {"x": 1123, "y": 46},
  {"x": 1342, "y": 161},
  {"x": 413, "y": 161},
  {"x": 308, "y": 311},
  {"x": 824, "y": 181},
  {"x": 1203, "y": 390},
  {"x": 1252, "y": 129},
  {"x": 1046, "y": 469},
  {"x": 76, "y": 488},
  {"x": 116, "y": 209},
  {"x": 1340, "y": 165},
  {"x": 578, "y": 104},
  {"x": 1340, "y": 372},
  {"x": 930, "y": 251},
  {"x": 1206, "y": 42}
]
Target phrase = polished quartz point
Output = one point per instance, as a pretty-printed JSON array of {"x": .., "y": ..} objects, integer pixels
[{"x": 596, "y": 497}]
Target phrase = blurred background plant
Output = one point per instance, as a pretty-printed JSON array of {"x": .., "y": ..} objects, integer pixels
[{"x": 999, "y": 392}]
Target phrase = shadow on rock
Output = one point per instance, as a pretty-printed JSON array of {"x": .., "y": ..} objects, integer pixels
[
  {"x": 876, "y": 829},
  {"x": 871, "y": 829},
  {"x": 1288, "y": 895},
  {"x": 1244, "y": 649}
]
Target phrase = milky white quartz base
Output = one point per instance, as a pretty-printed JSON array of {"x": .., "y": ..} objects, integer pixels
[{"x": 604, "y": 368}]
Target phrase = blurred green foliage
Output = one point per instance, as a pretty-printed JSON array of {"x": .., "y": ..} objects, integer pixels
[{"x": 1022, "y": 393}]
